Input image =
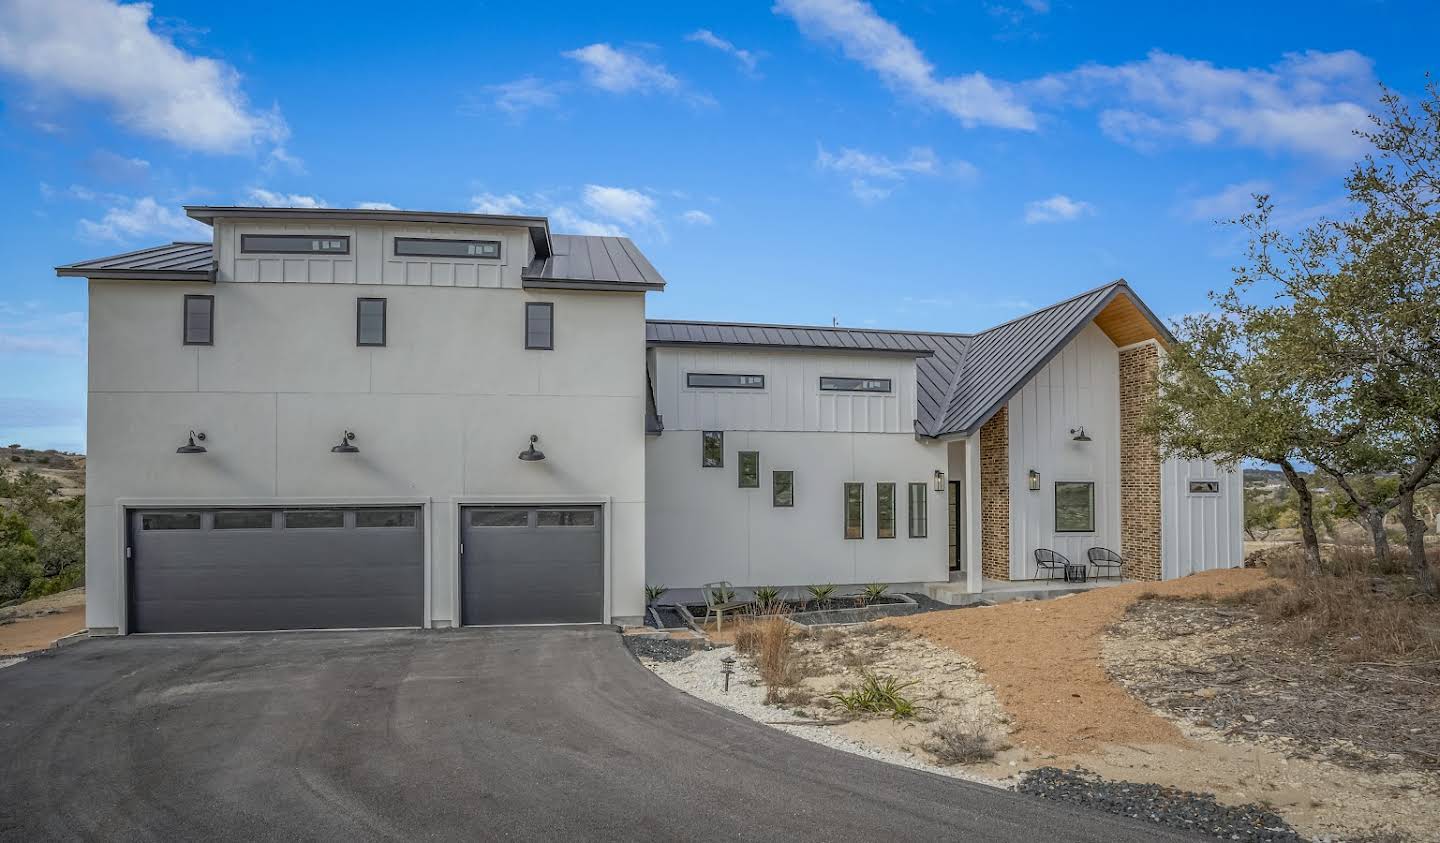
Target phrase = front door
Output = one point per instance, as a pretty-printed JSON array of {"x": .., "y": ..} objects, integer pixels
[{"x": 955, "y": 508}]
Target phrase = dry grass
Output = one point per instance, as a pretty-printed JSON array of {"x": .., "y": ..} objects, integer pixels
[
  {"x": 960, "y": 743},
  {"x": 770, "y": 642}
]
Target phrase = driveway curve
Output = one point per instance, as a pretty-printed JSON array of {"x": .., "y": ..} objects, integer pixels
[{"x": 471, "y": 734}]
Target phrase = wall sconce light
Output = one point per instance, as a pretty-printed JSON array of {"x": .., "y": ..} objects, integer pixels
[
  {"x": 939, "y": 480},
  {"x": 1078, "y": 434},
  {"x": 1034, "y": 480},
  {"x": 532, "y": 454},
  {"x": 345, "y": 447},
  {"x": 190, "y": 447}
]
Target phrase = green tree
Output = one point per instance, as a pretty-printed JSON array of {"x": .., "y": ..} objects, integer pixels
[{"x": 18, "y": 564}]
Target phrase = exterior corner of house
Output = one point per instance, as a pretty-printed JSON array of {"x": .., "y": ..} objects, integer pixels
[{"x": 1140, "y": 486}]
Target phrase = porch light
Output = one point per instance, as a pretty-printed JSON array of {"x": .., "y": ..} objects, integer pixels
[
  {"x": 345, "y": 447},
  {"x": 1078, "y": 434},
  {"x": 1034, "y": 480},
  {"x": 532, "y": 454},
  {"x": 939, "y": 480},
  {"x": 190, "y": 447}
]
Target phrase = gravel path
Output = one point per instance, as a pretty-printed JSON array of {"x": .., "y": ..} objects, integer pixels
[{"x": 1161, "y": 805}]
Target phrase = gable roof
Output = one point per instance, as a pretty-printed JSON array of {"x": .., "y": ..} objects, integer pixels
[
  {"x": 179, "y": 261},
  {"x": 580, "y": 262}
]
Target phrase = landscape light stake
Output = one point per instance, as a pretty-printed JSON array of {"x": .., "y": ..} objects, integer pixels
[{"x": 727, "y": 668}]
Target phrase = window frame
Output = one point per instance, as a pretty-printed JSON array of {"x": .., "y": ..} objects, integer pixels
[
  {"x": 774, "y": 489},
  {"x": 889, "y": 384},
  {"x": 216, "y": 518},
  {"x": 550, "y": 308},
  {"x": 1055, "y": 494},
  {"x": 923, "y": 510},
  {"x": 719, "y": 460},
  {"x": 1214, "y": 491},
  {"x": 185, "y": 319},
  {"x": 384, "y": 322},
  {"x": 395, "y": 247},
  {"x": 741, "y": 457},
  {"x": 246, "y": 250},
  {"x": 690, "y": 380},
  {"x": 859, "y": 523},
  {"x": 881, "y": 528}
]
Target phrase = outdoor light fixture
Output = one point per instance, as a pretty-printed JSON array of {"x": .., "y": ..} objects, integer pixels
[
  {"x": 939, "y": 480},
  {"x": 532, "y": 454},
  {"x": 190, "y": 447},
  {"x": 345, "y": 447},
  {"x": 1034, "y": 480},
  {"x": 1078, "y": 434}
]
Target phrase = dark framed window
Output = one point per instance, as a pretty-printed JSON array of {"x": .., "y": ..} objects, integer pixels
[
  {"x": 749, "y": 469},
  {"x": 499, "y": 516},
  {"x": 565, "y": 518},
  {"x": 539, "y": 325},
  {"x": 244, "y": 519},
  {"x": 1074, "y": 507},
  {"x": 369, "y": 321},
  {"x": 306, "y": 519},
  {"x": 170, "y": 521},
  {"x": 1204, "y": 487},
  {"x": 828, "y": 384},
  {"x": 712, "y": 449},
  {"x": 885, "y": 510},
  {"x": 199, "y": 320},
  {"x": 782, "y": 488},
  {"x": 384, "y": 518},
  {"x": 424, "y": 247},
  {"x": 854, "y": 510},
  {"x": 919, "y": 510},
  {"x": 717, "y": 380},
  {"x": 296, "y": 244}
]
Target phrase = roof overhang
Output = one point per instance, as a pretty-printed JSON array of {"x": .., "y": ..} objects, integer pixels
[
  {"x": 539, "y": 227},
  {"x": 592, "y": 286},
  {"x": 807, "y": 349},
  {"x": 206, "y": 275}
]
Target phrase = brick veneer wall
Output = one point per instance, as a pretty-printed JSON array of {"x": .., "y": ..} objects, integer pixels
[
  {"x": 1139, "y": 465},
  {"x": 995, "y": 496}
]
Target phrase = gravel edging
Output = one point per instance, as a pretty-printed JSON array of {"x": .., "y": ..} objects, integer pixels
[
  {"x": 1158, "y": 804},
  {"x": 663, "y": 649}
]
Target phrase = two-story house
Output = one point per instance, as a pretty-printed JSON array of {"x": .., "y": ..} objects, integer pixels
[{"x": 354, "y": 418}]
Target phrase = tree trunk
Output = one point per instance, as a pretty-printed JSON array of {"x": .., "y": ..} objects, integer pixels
[
  {"x": 1309, "y": 540},
  {"x": 1415, "y": 541},
  {"x": 1375, "y": 520}
]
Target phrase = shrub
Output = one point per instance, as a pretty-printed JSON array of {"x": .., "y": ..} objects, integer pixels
[
  {"x": 775, "y": 654},
  {"x": 820, "y": 594},
  {"x": 957, "y": 743},
  {"x": 654, "y": 592},
  {"x": 873, "y": 592},
  {"x": 767, "y": 599},
  {"x": 877, "y": 695}
]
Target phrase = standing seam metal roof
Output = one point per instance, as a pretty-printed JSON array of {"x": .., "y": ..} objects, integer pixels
[
  {"x": 614, "y": 261},
  {"x": 179, "y": 257}
]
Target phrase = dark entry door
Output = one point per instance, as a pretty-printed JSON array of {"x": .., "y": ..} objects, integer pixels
[{"x": 532, "y": 565}]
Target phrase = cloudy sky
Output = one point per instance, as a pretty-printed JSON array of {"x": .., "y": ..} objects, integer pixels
[{"x": 934, "y": 165}]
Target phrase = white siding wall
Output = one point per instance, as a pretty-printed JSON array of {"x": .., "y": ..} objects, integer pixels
[
  {"x": 1200, "y": 532},
  {"x": 791, "y": 399},
  {"x": 1081, "y": 386}
]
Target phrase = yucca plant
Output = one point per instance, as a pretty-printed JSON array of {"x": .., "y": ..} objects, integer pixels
[
  {"x": 878, "y": 695},
  {"x": 874, "y": 592},
  {"x": 820, "y": 594},
  {"x": 767, "y": 599},
  {"x": 722, "y": 595},
  {"x": 654, "y": 592}
]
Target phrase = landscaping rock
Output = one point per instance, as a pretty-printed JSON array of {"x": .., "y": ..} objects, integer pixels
[{"x": 662, "y": 649}]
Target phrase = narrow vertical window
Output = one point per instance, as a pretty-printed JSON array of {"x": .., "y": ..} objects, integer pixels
[
  {"x": 540, "y": 325},
  {"x": 712, "y": 449},
  {"x": 749, "y": 469},
  {"x": 369, "y": 321},
  {"x": 885, "y": 510},
  {"x": 919, "y": 511},
  {"x": 782, "y": 488},
  {"x": 199, "y": 320},
  {"x": 854, "y": 510}
]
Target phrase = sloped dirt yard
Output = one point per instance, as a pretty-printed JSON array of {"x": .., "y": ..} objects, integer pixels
[{"x": 36, "y": 624}]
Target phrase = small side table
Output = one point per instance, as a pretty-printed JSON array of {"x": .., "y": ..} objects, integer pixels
[{"x": 1076, "y": 572}]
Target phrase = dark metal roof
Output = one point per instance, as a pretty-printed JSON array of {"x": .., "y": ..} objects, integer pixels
[
  {"x": 180, "y": 261},
  {"x": 593, "y": 263},
  {"x": 674, "y": 332}
]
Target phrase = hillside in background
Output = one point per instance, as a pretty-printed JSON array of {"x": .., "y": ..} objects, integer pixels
[{"x": 66, "y": 469}]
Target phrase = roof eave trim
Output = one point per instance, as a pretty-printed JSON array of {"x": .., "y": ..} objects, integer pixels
[
  {"x": 890, "y": 352},
  {"x": 580, "y": 284},
  {"x": 207, "y": 275}
]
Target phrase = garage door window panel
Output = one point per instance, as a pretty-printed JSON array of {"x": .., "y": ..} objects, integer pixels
[
  {"x": 565, "y": 518},
  {"x": 499, "y": 517},
  {"x": 170, "y": 521},
  {"x": 385, "y": 518},
  {"x": 245, "y": 519},
  {"x": 314, "y": 519}
]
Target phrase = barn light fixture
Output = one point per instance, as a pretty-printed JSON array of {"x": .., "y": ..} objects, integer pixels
[
  {"x": 1034, "y": 480},
  {"x": 532, "y": 454},
  {"x": 939, "y": 480},
  {"x": 345, "y": 447},
  {"x": 1079, "y": 434},
  {"x": 190, "y": 447}
]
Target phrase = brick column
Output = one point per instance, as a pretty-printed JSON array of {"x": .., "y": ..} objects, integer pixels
[
  {"x": 995, "y": 496},
  {"x": 1139, "y": 465}
]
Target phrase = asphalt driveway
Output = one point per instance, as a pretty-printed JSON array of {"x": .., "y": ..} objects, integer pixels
[{"x": 471, "y": 734}]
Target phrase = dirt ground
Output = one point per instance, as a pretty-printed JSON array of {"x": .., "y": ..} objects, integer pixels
[{"x": 36, "y": 624}]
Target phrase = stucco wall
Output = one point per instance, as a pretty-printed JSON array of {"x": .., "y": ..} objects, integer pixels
[{"x": 440, "y": 412}]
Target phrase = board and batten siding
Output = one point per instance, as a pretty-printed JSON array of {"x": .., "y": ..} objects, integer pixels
[
  {"x": 792, "y": 399},
  {"x": 1200, "y": 531},
  {"x": 372, "y": 258},
  {"x": 1079, "y": 387}
]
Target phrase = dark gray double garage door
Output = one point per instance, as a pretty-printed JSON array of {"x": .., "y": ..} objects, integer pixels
[{"x": 210, "y": 570}]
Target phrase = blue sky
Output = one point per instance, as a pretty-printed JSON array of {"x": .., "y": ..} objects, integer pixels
[{"x": 921, "y": 165}]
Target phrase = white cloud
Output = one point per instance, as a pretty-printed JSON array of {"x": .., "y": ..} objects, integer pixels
[
  {"x": 1058, "y": 208},
  {"x": 598, "y": 210},
  {"x": 747, "y": 59},
  {"x": 1307, "y": 102},
  {"x": 865, "y": 169},
  {"x": 697, "y": 217},
  {"x": 281, "y": 157},
  {"x": 622, "y": 72},
  {"x": 1230, "y": 202},
  {"x": 143, "y": 217},
  {"x": 630, "y": 207},
  {"x": 271, "y": 199},
  {"x": 102, "y": 51},
  {"x": 524, "y": 94},
  {"x": 493, "y": 203},
  {"x": 111, "y": 167},
  {"x": 566, "y": 220},
  {"x": 376, "y": 206},
  {"x": 879, "y": 45}
]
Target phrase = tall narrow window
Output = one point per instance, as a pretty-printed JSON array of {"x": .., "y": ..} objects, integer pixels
[
  {"x": 199, "y": 322},
  {"x": 540, "y": 325},
  {"x": 919, "y": 511},
  {"x": 369, "y": 321},
  {"x": 749, "y": 469},
  {"x": 854, "y": 510},
  {"x": 712, "y": 449},
  {"x": 782, "y": 488},
  {"x": 885, "y": 510},
  {"x": 1074, "y": 507}
]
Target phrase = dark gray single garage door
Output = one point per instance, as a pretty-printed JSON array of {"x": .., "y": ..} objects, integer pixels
[
  {"x": 522, "y": 565},
  {"x": 212, "y": 570}
]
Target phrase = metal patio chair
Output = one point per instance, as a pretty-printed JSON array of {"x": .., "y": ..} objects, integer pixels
[
  {"x": 1050, "y": 562},
  {"x": 719, "y": 599},
  {"x": 1105, "y": 559}
]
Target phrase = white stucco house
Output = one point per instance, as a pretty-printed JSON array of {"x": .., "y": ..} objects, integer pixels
[{"x": 362, "y": 418}]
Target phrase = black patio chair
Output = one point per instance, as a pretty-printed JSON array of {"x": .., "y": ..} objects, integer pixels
[
  {"x": 1050, "y": 562},
  {"x": 1105, "y": 559}
]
